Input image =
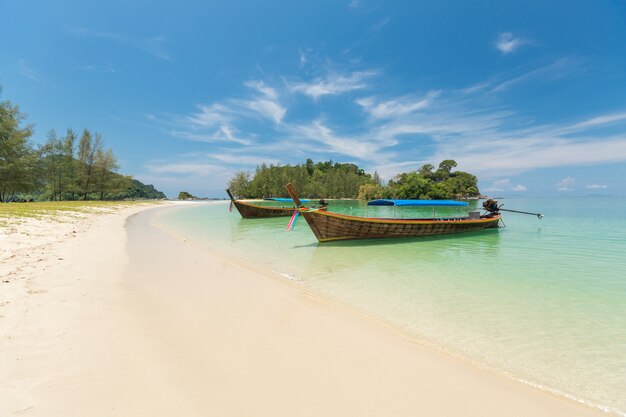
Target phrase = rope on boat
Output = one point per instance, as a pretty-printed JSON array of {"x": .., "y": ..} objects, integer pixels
[{"x": 230, "y": 206}]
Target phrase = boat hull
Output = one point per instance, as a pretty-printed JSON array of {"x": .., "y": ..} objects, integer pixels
[
  {"x": 248, "y": 210},
  {"x": 328, "y": 226}
]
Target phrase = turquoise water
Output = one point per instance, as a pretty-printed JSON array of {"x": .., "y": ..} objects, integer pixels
[{"x": 542, "y": 301}]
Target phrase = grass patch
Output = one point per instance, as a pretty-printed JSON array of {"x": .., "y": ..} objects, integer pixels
[{"x": 52, "y": 208}]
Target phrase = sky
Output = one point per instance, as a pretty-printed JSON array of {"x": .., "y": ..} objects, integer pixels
[{"x": 530, "y": 96}]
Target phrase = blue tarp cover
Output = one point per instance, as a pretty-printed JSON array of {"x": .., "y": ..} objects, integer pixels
[
  {"x": 450, "y": 203},
  {"x": 285, "y": 200}
]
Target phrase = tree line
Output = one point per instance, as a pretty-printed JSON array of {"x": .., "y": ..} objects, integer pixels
[
  {"x": 68, "y": 167},
  {"x": 337, "y": 180},
  {"x": 324, "y": 179}
]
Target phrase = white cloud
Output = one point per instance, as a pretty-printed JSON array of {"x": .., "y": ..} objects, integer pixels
[
  {"x": 556, "y": 70},
  {"x": 266, "y": 104},
  {"x": 353, "y": 146},
  {"x": 504, "y": 185},
  {"x": 506, "y": 43},
  {"x": 263, "y": 88},
  {"x": 248, "y": 160},
  {"x": 333, "y": 84},
  {"x": 105, "y": 69},
  {"x": 601, "y": 120},
  {"x": 152, "y": 45},
  {"x": 381, "y": 24},
  {"x": 266, "y": 108},
  {"x": 27, "y": 71},
  {"x": 566, "y": 184},
  {"x": 202, "y": 169},
  {"x": 596, "y": 187},
  {"x": 499, "y": 185},
  {"x": 210, "y": 116},
  {"x": 399, "y": 133},
  {"x": 303, "y": 58},
  {"x": 397, "y": 107}
]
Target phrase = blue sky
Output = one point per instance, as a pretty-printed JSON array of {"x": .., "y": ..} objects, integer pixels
[{"x": 528, "y": 95}]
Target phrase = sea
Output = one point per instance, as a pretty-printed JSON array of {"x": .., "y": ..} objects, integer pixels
[{"x": 541, "y": 301}]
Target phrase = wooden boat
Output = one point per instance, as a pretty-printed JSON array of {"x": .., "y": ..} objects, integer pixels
[
  {"x": 251, "y": 210},
  {"x": 328, "y": 226}
]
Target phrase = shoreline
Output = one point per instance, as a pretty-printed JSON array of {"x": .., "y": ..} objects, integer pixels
[
  {"x": 140, "y": 322},
  {"x": 295, "y": 284}
]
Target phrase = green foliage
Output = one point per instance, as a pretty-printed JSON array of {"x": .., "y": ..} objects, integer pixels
[
  {"x": 133, "y": 189},
  {"x": 184, "y": 195},
  {"x": 370, "y": 192},
  {"x": 321, "y": 180},
  {"x": 335, "y": 180},
  {"x": 426, "y": 184},
  {"x": 19, "y": 168},
  {"x": 59, "y": 170}
]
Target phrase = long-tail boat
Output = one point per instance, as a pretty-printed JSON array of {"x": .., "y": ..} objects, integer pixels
[
  {"x": 328, "y": 226},
  {"x": 252, "y": 210}
]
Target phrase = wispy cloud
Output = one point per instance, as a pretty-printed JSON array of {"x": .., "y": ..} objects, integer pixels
[
  {"x": 507, "y": 43},
  {"x": 566, "y": 184},
  {"x": 303, "y": 58},
  {"x": 102, "y": 69},
  {"x": 397, "y": 107},
  {"x": 600, "y": 121},
  {"x": 504, "y": 185},
  {"x": 154, "y": 45},
  {"x": 381, "y": 24},
  {"x": 558, "y": 69},
  {"x": 185, "y": 168},
  {"x": 244, "y": 160},
  {"x": 357, "y": 146},
  {"x": 333, "y": 84},
  {"x": 266, "y": 103},
  {"x": 29, "y": 72},
  {"x": 596, "y": 187},
  {"x": 400, "y": 133}
]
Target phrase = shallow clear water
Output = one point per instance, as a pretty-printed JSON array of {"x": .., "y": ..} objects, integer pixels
[{"x": 543, "y": 301}]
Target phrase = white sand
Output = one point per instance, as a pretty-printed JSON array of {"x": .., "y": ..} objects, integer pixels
[{"x": 135, "y": 322}]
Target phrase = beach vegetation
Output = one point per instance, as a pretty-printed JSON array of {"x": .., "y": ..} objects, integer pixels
[
  {"x": 54, "y": 208},
  {"x": 315, "y": 180},
  {"x": 184, "y": 195},
  {"x": 336, "y": 180},
  {"x": 64, "y": 168},
  {"x": 19, "y": 171}
]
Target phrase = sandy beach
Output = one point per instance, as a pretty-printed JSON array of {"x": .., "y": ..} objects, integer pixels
[{"x": 110, "y": 315}]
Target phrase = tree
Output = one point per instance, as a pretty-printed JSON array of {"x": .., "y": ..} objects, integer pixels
[
  {"x": 239, "y": 185},
  {"x": 370, "y": 191},
  {"x": 105, "y": 165},
  {"x": 69, "y": 165},
  {"x": 18, "y": 161},
  {"x": 184, "y": 195},
  {"x": 88, "y": 146},
  {"x": 447, "y": 165},
  {"x": 426, "y": 170}
]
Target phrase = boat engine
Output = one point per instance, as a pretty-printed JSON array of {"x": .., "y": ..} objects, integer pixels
[{"x": 491, "y": 206}]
